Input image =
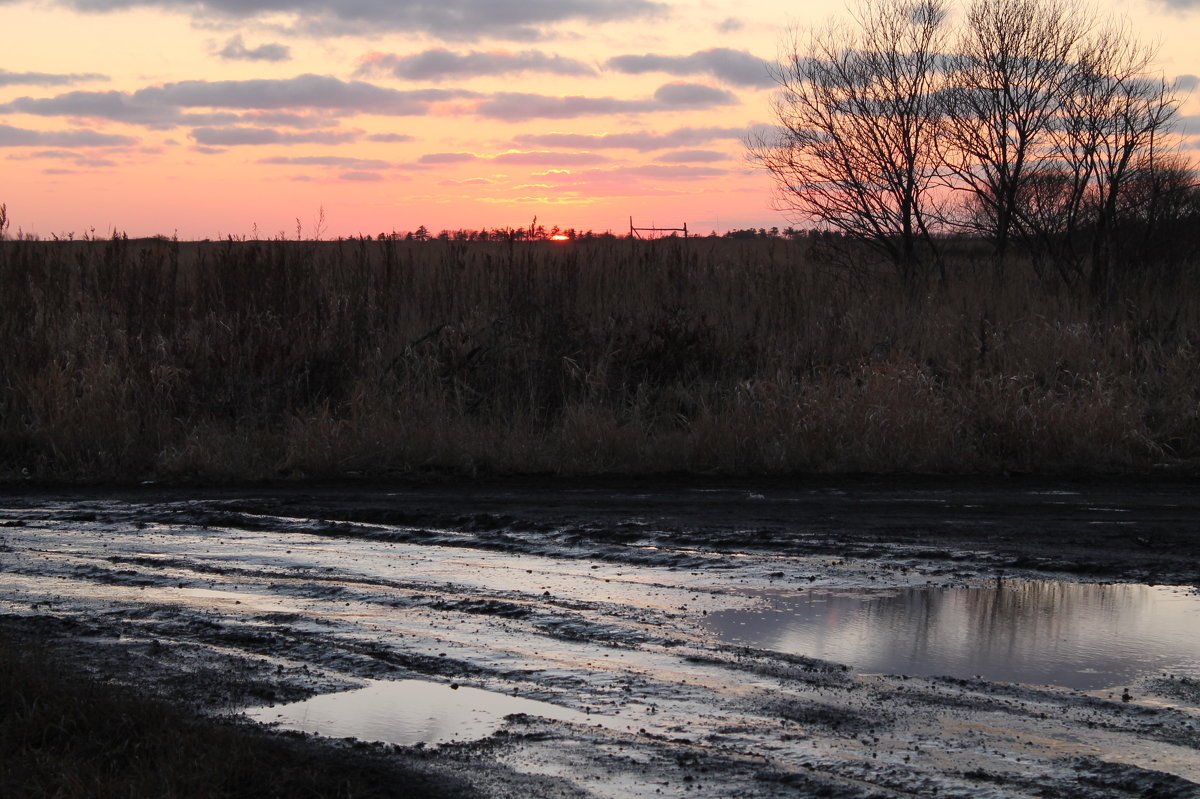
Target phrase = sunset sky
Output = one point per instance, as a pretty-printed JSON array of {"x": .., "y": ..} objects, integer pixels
[{"x": 207, "y": 118}]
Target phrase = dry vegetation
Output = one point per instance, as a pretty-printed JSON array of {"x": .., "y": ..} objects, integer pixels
[
  {"x": 143, "y": 359},
  {"x": 65, "y": 734}
]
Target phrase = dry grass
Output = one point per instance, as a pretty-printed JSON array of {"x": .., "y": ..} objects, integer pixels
[
  {"x": 64, "y": 735},
  {"x": 242, "y": 360}
]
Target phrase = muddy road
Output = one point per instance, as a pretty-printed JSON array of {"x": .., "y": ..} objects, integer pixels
[{"x": 632, "y": 614}]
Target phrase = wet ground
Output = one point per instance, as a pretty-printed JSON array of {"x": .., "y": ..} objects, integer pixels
[{"x": 757, "y": 640}]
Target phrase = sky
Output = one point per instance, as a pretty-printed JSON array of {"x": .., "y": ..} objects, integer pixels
[{"x": 210, "y": 118}]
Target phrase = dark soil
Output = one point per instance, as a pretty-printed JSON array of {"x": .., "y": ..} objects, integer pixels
[{"x": 97, "y": 598}]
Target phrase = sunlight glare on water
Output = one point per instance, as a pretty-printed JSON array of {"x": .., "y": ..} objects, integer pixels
[{"x": 1073, "y": 635}]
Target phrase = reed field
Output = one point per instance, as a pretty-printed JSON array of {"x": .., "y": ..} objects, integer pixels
[{"x": 127, "y": 360}]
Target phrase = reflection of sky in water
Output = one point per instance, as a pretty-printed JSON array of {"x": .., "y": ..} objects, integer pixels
[
  {"x": 1082, "y": 636},
  {"x": 407, "y": 712}
]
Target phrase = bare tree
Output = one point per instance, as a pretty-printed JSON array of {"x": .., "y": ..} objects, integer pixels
[
  {"x": 1034, "y": 130},
  {"x": 1116, "y": 117},
  {"x": 1008, "y": 74},
  {"x": 858, "y": 147}
]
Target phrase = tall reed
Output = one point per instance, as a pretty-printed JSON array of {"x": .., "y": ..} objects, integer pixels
[{"x": 138, "y": 359}]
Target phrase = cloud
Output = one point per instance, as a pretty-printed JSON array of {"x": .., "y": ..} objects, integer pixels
[
  {"x": 237, "y": 136},
  {"x": 390, "y": 137},
  {"x": 533, "y": 158},
  {"x": 52, "y": 154},
  {"x": 343, "y": 162},
  {"x": 440, "y": 64},
  {"x": 692, "y": 157},
  {"x": 730, "y": 25},
  {"x": 304, "y": 91},
  {"x": 447, "y": 19},
  {"x": 518, "y": 106},
  {"x": 1187, "y": 82},
  {"x": 364, "y": 177},
  {"x": 288, "y": 119},
  {"x": 260, "y": 118},
  {"x": 112, "y": 105},
  {"x": 737, "y": 67},
  {"x": 468, "y": 182},
  {"x": 642, "y": 141},
  {"x": 235, "y": 50},
  {"x": 447, "y": 158},
  {"x": 209, "y": 119},
  {"x": 161, "y": 106},
  {"x": 46, "y": 78},
  {"x": 764, "y": 131},
  {"x": 20, "y": 137},
  {"x": 550, "y": 159},
  {"x": 80, "y": 159},
  {"x": 651, "y": 171},
  {"x": 693, "y": 95},
  {"x": 642, "y": 180}
]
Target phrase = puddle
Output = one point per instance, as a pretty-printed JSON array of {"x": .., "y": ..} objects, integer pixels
[
  {"x": 1072, "y": 635},
  {"x": 408, "y": 712}
]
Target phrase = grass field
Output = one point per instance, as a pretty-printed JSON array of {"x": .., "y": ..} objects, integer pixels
[{"x": 234, "y": 360}]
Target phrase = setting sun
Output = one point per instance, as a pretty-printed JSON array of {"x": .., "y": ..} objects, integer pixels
[{"x": 215, "y": 119}]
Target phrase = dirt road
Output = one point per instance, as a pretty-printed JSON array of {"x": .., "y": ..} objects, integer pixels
[{"x": 603, "y": 600}]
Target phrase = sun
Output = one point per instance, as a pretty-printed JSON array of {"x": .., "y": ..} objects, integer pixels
[{"x": 560, "y": 237}]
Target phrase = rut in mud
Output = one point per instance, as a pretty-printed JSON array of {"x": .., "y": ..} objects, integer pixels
[{"x": 604, "y": 602}]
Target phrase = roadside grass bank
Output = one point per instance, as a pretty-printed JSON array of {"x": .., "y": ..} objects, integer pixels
[
  {"x": 64, "y": 734},
  {"x": 238, "y": 360}
]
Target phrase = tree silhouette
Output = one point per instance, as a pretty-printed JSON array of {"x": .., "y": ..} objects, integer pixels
[
  {"x": 859, "y": 109},
  {"x": 1024, "y": 126}
]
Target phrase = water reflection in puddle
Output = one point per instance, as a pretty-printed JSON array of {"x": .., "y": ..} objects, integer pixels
[
  {"x": 408, "y": 712},
  {"x": 1081, "y": 636}
]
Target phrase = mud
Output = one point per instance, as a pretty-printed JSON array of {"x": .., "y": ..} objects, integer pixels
[{"x": 592, "y": 597}]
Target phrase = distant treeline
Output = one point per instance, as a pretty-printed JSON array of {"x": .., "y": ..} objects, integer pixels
[
  {"x": 127, "y": 359},
  {"x": 541, "y": 233},
  {"x": 423, "y": 233}
]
